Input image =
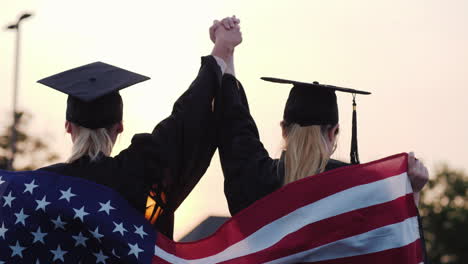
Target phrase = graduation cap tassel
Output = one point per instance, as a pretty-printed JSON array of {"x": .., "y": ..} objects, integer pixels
[{"x": 354, "y": 143}]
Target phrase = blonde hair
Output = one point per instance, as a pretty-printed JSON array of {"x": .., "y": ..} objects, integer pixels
[
  {"x": 90, "y": 142},
  {"x": 307, "y": 151}
]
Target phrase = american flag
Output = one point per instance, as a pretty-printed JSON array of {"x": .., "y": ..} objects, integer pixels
[
  {"x": 359, "y": 214},
  {"x": 50, "y": 218}
]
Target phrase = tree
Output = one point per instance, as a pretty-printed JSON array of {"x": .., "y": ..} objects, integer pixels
[
  {"x": 32, "y": 151},
  {"x": 444, "y": 209}
]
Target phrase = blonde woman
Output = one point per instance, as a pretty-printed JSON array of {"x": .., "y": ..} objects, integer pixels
[
  {"x": 309, "y": 128},
  {"x": 250, "y": 173},
  {"x": 159, "y": 169}
]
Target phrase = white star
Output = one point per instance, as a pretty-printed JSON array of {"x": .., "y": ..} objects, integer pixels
[
  {"x": 8, "y": 199},
  {"x": 67, "y": 195},
  {"x": 96, "y": 234},
  {"x": 58, "y": 254},
  {"x": 30, "y": 187},
  {"x": 20, "y": 217},
  {"x": 17, "y": 250},
  {"x": 41, "y": 204},
  {"x": 80, "y": 240},
  {"x": 39, "y": 236},
  {"x": 80, "y": 213},
  {"x": 119, "y": 228},
  {"x": 139, "y": 231},
  {"x": 3, "y": 230},
  {"x": 59, "y": 223},
  {"x": 1, "y": 182},
  {"x": 100, "y": 257},
  {"x": 106, "y": 207},
  {"x": 134, "y": 249}
]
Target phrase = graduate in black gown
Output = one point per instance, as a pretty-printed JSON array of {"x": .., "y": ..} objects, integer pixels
[
  {"x": 310, "y": 128},
  {"x": 159, "y": 169},
  {"x": 250, "y": 173}
]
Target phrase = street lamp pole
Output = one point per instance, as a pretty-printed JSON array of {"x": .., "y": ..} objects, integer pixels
[{"x": 14, "y": 134}]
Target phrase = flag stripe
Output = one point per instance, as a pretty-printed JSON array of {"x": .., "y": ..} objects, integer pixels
[
  {"x": 336, "y": 228},
  {"x": 387, "y": 237},
  {"x": 158, "y": 260},
  {"x": 410, "y": 254},
  {"x": 344, "y": 201}
]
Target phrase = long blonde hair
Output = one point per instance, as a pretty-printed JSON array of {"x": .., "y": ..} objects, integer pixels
[
  {"x": 90, "y": 142},
  {"x": 307, "y": 151}
]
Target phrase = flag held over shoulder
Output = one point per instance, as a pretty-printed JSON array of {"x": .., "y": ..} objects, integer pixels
[{"x": 358, "y": 214}]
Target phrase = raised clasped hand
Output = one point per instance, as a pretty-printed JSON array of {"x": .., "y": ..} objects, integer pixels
[{"x": 226, "y": 32}]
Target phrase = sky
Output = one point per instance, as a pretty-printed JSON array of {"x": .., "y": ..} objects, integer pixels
[{"x": 412, "y": 56}]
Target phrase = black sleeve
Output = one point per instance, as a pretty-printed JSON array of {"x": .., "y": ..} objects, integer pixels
[
  {"x": 174, "y": 157},
  {"x": 249, "y": 172},
  {"x": 334, "y": 164}
]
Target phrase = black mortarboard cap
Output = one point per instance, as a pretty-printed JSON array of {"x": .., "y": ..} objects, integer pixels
[
  {"x": 93, "y": 93},
  {"x": 315, "y": 104}
]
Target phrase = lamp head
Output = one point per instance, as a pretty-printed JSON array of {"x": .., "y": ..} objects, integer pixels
[{"x": 25, "y": 15}]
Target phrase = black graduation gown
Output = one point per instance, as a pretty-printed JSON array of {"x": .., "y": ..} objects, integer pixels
[
  {"x": 249, "y": 172},
  {"x": 170, "y": 160}
]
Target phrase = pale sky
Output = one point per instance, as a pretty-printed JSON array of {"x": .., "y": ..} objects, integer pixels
[{"x": 412, "y": 55}]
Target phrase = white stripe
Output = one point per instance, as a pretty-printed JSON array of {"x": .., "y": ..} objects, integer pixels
[
  {"x": 387, "y": 237},
  {"x": 358, "y": 197}
]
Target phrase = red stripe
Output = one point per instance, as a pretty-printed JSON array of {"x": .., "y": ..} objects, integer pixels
[
  {"x": 158, "y": 260},
  {"x": 165, "y": 243},
  {"x": 299, "y": 194},
  {"x": 409, "y": 254},
  {"x": 336, "y": 228}
]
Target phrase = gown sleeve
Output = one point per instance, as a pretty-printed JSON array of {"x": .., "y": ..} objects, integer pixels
[
  {"x": 171, "y": 160},
  {"x": 249, "y": 172}
]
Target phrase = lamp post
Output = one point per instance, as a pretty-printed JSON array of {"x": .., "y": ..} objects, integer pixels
[{"x": 15, "y": 27}]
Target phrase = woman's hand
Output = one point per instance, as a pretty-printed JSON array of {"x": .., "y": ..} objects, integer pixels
[
  {"x": 226, "y": 36},
  {"x": 227, "y": 23},
  {"x": 417, "y": 174}
]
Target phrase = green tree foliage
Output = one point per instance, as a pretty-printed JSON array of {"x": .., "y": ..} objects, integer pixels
[
  {"x": 32, "y": 151},
  {"x": 444, "y": 209}
]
